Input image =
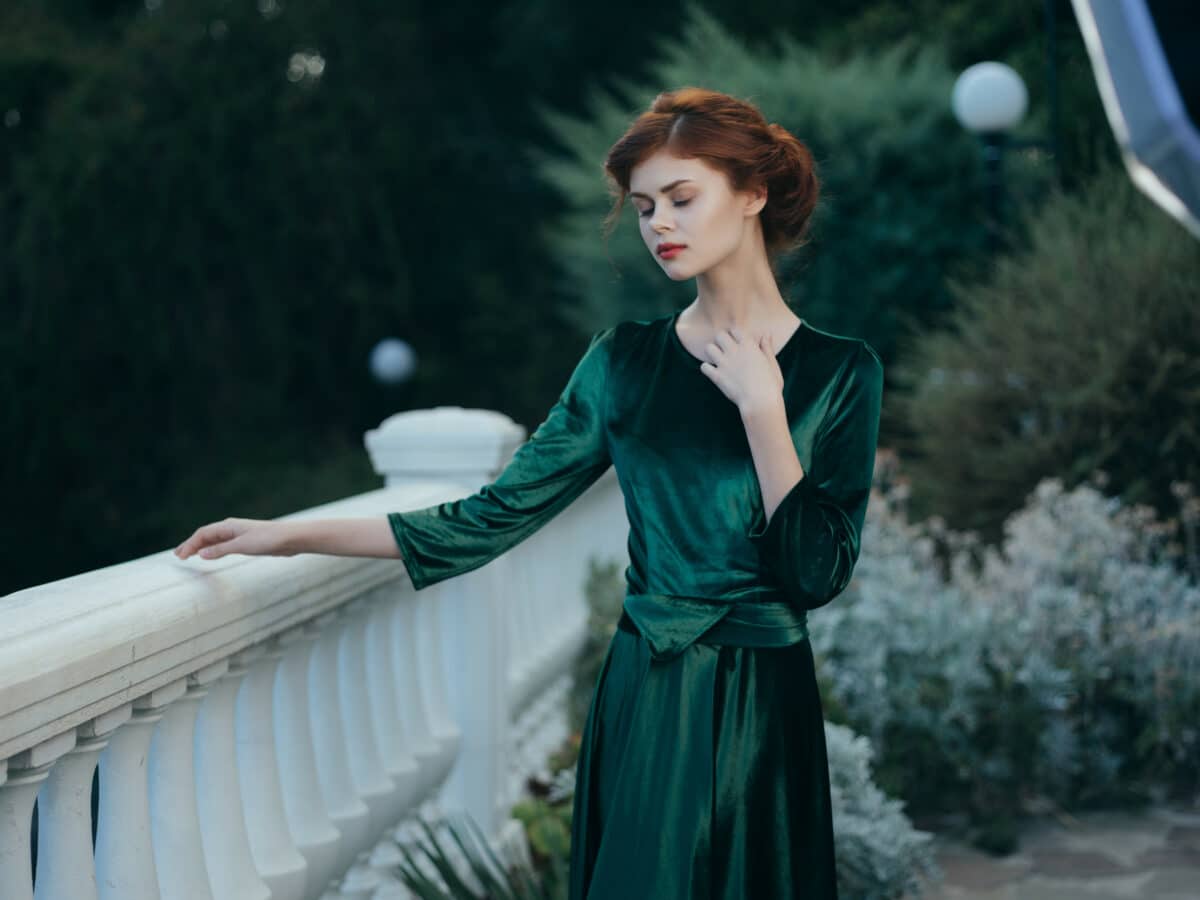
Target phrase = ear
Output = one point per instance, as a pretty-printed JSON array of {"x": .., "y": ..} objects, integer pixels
[{"x": 755, "y": 200}]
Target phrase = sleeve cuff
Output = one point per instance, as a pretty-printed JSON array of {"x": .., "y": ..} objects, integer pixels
[
  {"x": 762, "y": 530},
  {"x": 415, "y": 575}
]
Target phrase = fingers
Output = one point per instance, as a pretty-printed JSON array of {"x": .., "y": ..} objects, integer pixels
[
  {"x": 207, "y": 538},
  {"x": 728, "y": 338},
  {"x": 216, "y": 551}
]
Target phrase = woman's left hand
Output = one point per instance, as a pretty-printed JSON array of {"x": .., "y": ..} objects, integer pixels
[{"x": 745, "y": 369}]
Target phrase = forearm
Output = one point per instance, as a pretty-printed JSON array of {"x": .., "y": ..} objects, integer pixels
[
  {"x": 342, "y": 537},
  {"x": 775, "y": 460}
]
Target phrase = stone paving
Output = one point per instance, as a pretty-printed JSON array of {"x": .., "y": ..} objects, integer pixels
[{"x": 1152, "y": 855}]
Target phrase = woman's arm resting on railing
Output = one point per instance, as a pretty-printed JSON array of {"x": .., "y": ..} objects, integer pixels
[
  {"x": 256, "y": 537},
  {"x": 565, "y": 454}
]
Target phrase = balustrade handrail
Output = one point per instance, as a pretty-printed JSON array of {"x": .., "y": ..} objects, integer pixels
[{"x": 78, "y": 647}]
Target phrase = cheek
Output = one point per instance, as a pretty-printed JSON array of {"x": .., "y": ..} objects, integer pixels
[{"x": 721, "y": 231}]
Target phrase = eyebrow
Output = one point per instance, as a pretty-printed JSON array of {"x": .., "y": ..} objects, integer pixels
[{"x": 665, "y": 188}]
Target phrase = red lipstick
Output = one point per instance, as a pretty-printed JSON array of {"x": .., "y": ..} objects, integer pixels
[{"x": 669, "y": 250}]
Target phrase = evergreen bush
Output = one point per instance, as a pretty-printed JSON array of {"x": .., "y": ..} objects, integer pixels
[
  {"x": 1079, "y": 352},
  {"x": 901, "y": 179}
]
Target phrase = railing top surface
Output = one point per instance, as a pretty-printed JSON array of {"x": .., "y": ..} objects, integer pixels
[{"x": 80, "y": 646}]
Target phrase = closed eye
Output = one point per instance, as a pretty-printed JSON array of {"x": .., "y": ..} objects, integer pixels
[{"x": 642, "y": 215}]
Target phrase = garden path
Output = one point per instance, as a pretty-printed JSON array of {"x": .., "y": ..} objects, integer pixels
[{"x": 1151, "y": 855}]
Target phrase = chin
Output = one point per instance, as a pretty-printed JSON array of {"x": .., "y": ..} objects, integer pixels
[{"x": 677, "y": 273}]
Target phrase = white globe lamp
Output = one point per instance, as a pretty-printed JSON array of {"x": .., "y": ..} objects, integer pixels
[
  {"x": 392, "y": 361},
  {"x": 989, "y": 97}
]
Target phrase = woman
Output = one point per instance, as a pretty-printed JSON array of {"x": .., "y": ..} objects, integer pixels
[{"x": 744, "y": 441}]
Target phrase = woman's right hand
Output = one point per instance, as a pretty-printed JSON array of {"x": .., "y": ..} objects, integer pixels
[{"x": 253, "y": 537}]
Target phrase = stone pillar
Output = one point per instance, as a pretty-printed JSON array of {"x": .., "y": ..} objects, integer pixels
[{"x": 466, "y": 447}]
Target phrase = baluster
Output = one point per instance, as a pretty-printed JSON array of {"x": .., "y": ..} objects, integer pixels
[
  {"x": 347, "y": 810},
  {"x": 433, "y": 757},
  {"x": 17, "y": 795},
  {"x": 125, "y": 868},
  {"x": 370, "y": 781},
  {"x": 315, "y": 835},
  {"x": 394, "y": 743},
  {"x": 66, "y": 866},
  {"x": 523, "y": 649},
  {"x": 431, "y": 630},
  {"x": 227, "y": 854},
  {"x": 278, "y": 861},
  {"x": 480, "y": 691},
  {"x": 26, "y": 772},
  {"x": 527, "y": 657},
  {"x": 174, "y": 814}
]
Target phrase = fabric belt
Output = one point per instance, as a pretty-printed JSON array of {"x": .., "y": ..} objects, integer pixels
[{"x": 671, "y": 623}]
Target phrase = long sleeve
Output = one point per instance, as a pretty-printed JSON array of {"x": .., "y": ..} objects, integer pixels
[
  {"x": 811, "y": 542},
  {"x": 565, "y": 454}
]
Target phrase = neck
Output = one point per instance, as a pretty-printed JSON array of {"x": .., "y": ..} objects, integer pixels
[{"x": 739, "y": 292}]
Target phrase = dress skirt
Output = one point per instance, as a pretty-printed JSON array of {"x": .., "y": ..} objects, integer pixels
[{"x": 703, "y": 776}]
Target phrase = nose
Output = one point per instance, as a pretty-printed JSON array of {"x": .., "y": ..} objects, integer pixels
[{"x": 659, "y": 222}]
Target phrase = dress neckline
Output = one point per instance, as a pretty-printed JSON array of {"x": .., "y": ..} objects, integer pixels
[{"x": 673, "y": 335}]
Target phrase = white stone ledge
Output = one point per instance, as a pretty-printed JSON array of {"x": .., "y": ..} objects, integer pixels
[{"x": 77, "y": 648}]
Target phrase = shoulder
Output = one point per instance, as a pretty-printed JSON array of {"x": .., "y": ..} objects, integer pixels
[
  {"x": 856, "y": 356},
  {"x": 854, "y": 373},
  {"x": 845, "y": 361},
  {"x": 867, "y": 364},
  {"x": 629, "y": 338},
  {"x": 862, "y": 371}
]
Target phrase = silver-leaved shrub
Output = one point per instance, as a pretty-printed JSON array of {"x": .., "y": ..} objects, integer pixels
[
  {"x": 1060, "y": 668},
  {"x": 880, "y": 855}
]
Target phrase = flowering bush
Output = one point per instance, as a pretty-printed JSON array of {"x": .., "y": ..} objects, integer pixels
[
  {"x": 880, "y": 855},
  {"x": 1062, "y": 667}
]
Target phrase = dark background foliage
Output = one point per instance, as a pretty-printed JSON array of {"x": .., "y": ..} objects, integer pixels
[{"x": 198, "y": 252}]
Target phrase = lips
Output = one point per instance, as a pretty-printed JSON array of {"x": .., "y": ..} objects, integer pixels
[{"x": 668, "y": 250}]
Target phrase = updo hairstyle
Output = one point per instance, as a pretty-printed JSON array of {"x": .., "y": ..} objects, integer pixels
[{"x": 732, "y": 136}]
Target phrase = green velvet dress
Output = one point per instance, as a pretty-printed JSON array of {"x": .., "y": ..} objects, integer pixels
[{"x": 702, "y": 773}]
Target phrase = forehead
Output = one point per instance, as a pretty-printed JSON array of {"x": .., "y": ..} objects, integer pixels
[{"x": 654, "y": 172}]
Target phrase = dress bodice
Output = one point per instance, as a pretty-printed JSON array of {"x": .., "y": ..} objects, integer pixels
[{"x": 638, "y": 401}]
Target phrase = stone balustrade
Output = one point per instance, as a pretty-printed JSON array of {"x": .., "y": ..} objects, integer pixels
[{"x": 270, "y": 727}]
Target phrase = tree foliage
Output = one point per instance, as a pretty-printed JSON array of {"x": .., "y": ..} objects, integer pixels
[
  {"x": 901, "y": 181},
  {"x": 199, "y": 250},
  {"x": 1080, "y": 352}
]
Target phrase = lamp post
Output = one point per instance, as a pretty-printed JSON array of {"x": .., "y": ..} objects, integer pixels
[
  {"x": 392, "y": 363},
  {"x": 989, "y": 99}
]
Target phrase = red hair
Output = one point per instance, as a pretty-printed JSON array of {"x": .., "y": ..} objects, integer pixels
[{"x": 732, "y": 136}]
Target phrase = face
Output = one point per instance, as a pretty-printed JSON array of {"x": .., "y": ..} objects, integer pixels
[{"x": 688, "y": 202}]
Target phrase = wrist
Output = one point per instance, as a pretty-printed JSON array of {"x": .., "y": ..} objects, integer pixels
[
  {"x": 760, "y": 408},
  {"x": 289, "y": 538}
]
